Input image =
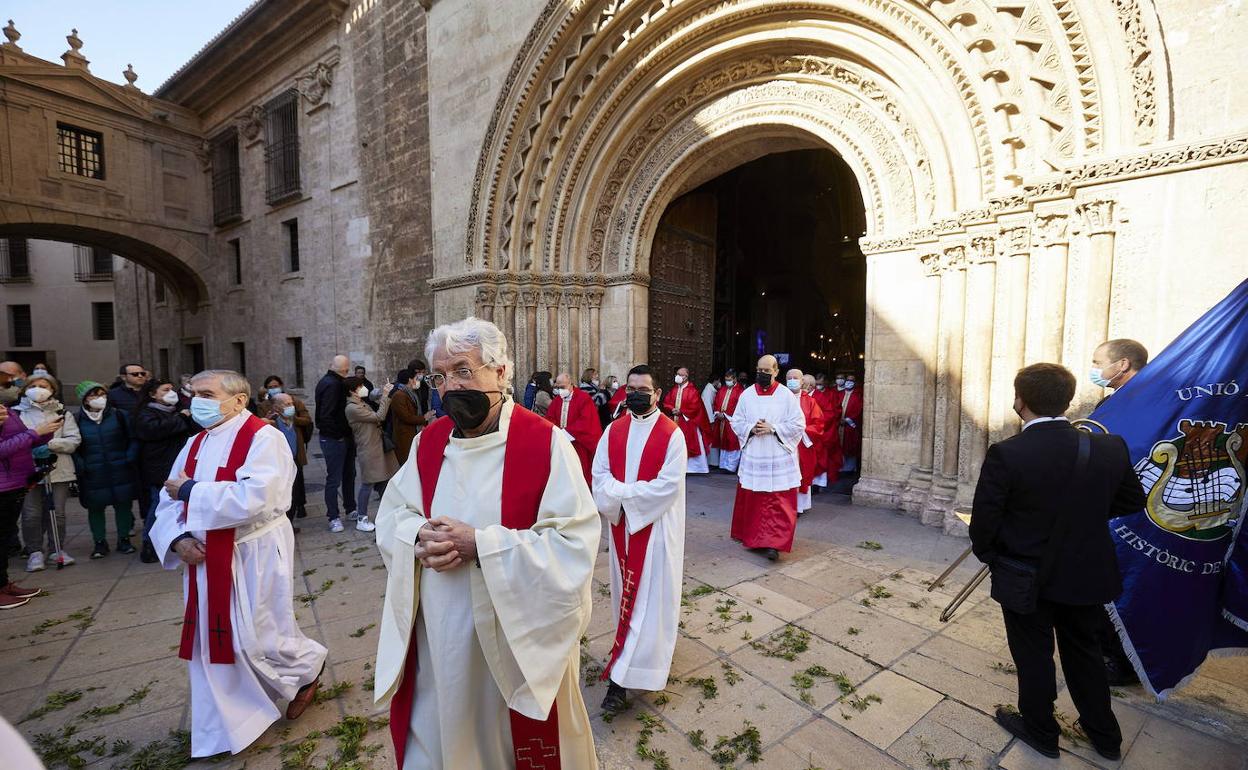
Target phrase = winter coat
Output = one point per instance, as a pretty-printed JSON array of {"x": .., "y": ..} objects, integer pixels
[
  {"x": 331, "y": 401},
  {"x": 301, "y": 422},
  {"x": 406, "y": 420},
  {"x": 123, "y": 399},
  {"x": 376, "y": 464},
  {"x": 17, "y": 464},
  {"x": 63, "y": 443},
  {"x": 160, "y": 436},
  {"x": 105, "y": 460}
]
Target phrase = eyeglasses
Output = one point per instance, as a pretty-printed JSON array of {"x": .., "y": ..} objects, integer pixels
[
  {"x": 462, "y": 374},
  {"x": 642, "y": 391},
  {"x": 136, "y": 374}
]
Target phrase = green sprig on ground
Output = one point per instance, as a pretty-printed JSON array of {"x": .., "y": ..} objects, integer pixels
[{"x": 787, "y": 643}]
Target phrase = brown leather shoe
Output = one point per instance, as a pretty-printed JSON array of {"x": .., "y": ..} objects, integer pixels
[
  {"x": 13, "y": 589},
  {"x": 303, "y": 698}
]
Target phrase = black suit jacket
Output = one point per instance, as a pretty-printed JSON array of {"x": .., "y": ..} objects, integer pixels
[{"x": 1027, "y": 479}]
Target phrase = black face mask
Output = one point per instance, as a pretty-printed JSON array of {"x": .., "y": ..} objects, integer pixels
[
  {"x": 763, "y": 379},
  {"x": 467, "y": 408},
  {"x": 638, "y": 403}
]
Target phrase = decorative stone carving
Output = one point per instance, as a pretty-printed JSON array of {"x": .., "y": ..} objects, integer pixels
[
  {"x": 13, "y": 36},
  {"x": 251, "y": 124},
  {"x": 130, "y": 75},
  {"x": 983, "y": 249},
  {"x": 1017, "y": 239},
  {"x": 529, "y": 297},
  {"x": 593, "y": 297},
  {"x": 550, "y": 297},
  {"x": 1143, "y": 80},
  {"x": 933, "y": 263},
  {"x": 485, "y": 296},
  {"x": 1098, "y": 216},
  {"x": 73, "y": 58},
  {"x": 315, "y": 83},
  {"x": 955, "y": 257},
  {"x": 204, "y": 154},
  {"x": 1051, "y": 229}
]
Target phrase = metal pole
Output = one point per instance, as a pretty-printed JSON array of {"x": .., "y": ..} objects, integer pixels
[
  {"x": 964, "y": 594},
  {"x": 938, "y": 582}
]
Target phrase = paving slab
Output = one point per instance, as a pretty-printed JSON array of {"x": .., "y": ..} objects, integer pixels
[
  {"x": 866, "y": 631},
  {"x": 832, "y": 746},
  {"x": 901, "y": 703}
]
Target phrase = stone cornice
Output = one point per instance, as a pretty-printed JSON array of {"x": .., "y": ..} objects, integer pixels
[{"x": 533, "y": 278}]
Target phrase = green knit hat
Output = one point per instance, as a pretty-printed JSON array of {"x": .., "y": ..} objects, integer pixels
[{"x": 85, "y": 387}]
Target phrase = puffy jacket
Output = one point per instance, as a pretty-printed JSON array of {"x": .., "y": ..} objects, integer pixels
[
  {"x": 105, "y": 460},
  {"x": 160, "y": 436},
  {"x": 16, "y": 462},
  {"x": 63, "y": 443},
  {"x": 331, "y": 407},
  {"x": 123, "y": 399}
]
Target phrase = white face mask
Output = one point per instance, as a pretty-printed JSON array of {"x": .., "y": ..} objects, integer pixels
[
  {"x": 680, "y": 379},
  {"x": 594, "y": 383},
  {"x": 849, "y": 384},
  {"x": 561, "y": 392},
  {"x": 362, "y": 392},
  {"x": 38, "y": 395},
  {"x": 840, "y": 382},
  {"x": 170, "y": 398},
  {"x": 97, "y": 404}
]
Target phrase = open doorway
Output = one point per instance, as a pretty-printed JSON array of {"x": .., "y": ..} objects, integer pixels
[{"x": 762, "y": 259}]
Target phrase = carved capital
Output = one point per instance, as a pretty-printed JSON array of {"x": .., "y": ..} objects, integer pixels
[
  {"x": 509, "y": 297},
  {"x": 1097, "y": 215},
  {"x": 1017, "y": 239},
  {"x": 933, "y": 263},
  {"x": 983, "y": 249},
  {"x": 486, "y": 295},
  {"x": 955, "y": 257},
  {"x": 529, "y": 297},
  {"x": 1052, "y": 229},
  {"x": 594, "y": 298}
]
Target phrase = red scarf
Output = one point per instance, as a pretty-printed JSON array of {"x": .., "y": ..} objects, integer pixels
[
  {"x": 634, "y": 558},
  {"x": 219, "y": 559},
  {"x": 526, "y": 469}
]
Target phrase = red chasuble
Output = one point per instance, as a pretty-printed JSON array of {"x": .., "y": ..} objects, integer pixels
[
  {"x": 219, "y": 557},
  {"x": 684, "y": 404},
  {"x": 526, "y": 470},
  {"x": 630, "y": 550},
  {"x": 723, "y": 438},
  {"x": 807, "y": 456},
  {"x": 830, "y": 458},
  {"x": 579, "y": 416},
  {"x": 850, "y": 402}
]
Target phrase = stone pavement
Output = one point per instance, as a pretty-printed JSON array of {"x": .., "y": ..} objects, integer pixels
[{"x": 831, "y": 658}]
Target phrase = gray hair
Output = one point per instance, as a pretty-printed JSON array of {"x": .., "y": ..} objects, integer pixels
[
  {"x": 472, "y": 334},
  {"x": 232, "y": 382}
]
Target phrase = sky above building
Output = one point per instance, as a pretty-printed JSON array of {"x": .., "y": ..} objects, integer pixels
[{"x": 156, "y": 36}]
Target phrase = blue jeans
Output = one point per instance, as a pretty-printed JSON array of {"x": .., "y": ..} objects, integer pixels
[
  {"x": 366, "y": 491},
  {"x": 154, "y": 496},
  {"x": 339, "y": 455}
]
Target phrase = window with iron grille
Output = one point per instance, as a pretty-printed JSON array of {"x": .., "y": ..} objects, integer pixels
[
  {"x": 236, "y": 261},
  {"x": 294, "y": 359},
  {"x": 92, "y": 264},
  {"x": 21, "y": 331},
  {"x": 291, "y": 229},
  {"x": 80, "y": 151},
  {"x": 281, "y": 149},
  {"x": 14, "y": 261},
  {"x": 227, "y": 195},
  {"x": 102, "y": 317}
]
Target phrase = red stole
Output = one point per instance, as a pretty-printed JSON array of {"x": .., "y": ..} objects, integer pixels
[
  {"x": 219, "y": 558},
  {"x": 526, "y": 469},
  {"x": 727, "y": 406},
  {"x": 631, "y": 561}
]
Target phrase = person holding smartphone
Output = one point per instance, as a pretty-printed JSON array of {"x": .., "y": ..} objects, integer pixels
[{"x": 17, "y": 466}]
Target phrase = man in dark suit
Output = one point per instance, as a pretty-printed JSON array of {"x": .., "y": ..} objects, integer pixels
[{"x": 1025, "y": 482}]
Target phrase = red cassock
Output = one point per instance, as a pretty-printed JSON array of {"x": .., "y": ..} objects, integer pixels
[
  {"x": 578, "y": 416},
  {"x": 830, "y": 459},
  {"x": 722, "y": 437},
  {"x": 684, "y": 404},
  {"x": 615, "y": 407},
  {"x": 807, "y": 456},
  {"x": 850, "y": 402}
]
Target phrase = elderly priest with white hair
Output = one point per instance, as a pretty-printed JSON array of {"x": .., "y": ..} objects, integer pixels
[
  {"x": 489, "y": 533},
  {"x": 224, "y": 516}
]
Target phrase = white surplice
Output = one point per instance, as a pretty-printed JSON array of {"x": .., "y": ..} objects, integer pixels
[
  {"x": 502, "y": 635},
  {"x": 233, "y": 704},
  {"x": 769, "y": 462},
  {"x": 708, "y": 400},
  {"x": 646, "y": 658}
]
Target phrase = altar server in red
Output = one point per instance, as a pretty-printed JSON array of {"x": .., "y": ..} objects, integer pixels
[
  {"x": 811, "y": 442},
  {"x": 684, "y": 403},
  {"x": 575, "y": 412},
  {"x": 722, "y": 437},
  {"x": 639, "y": 488}
]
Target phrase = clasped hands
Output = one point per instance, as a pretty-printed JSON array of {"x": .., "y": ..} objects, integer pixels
[
  {"x": 762, "y": 428},
  {"x": 445, "y": 543},
  {"x": 190, "y": 550}
]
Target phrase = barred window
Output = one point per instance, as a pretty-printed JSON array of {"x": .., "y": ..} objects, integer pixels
[
  {"x": 294, "y": 359},
  {"x": 291, "y": 229},
  {"x": 227, "y": 196},
  {"x": 102, "y": 317},
  {"x": 14, "y": 261},
  {"x": 21, "y": 331},
  {"x": 92, "y": 264},
  {"x": 281, "y": 150},
  {"x": 80, "y": 151}
]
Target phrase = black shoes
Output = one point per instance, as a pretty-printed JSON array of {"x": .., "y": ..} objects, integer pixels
[
  {"x": 148, "y": 554},
  {"x": 771, "y": 553},
  {"x": 123, "y": 546},
  {"x": 100, "y": 550},
  {"x": 1012, "y": 721},
  {"x": 616, "y": 700}
]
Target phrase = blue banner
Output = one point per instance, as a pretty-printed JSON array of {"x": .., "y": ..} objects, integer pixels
[{"x": 1185, "y": 420}]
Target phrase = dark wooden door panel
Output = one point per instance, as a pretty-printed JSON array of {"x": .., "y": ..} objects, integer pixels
[{"x": 682, "y": 282}]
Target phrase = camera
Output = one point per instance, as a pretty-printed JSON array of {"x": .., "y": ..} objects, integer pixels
[{"x": 43, "y": 466}]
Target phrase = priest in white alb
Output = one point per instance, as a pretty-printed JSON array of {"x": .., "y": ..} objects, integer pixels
[
  {"x": 769, "y": 424},
  {"x": 639, "y": 487},
  {"x": 490, "y": 534},
  {"x": 224, "y": 516}
]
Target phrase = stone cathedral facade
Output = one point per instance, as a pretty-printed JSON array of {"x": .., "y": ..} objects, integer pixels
[{"x": 1036, "y": 176}]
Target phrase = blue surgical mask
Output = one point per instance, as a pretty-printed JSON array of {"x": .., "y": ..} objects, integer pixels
[
  {"x": 20, "y": 382},
  {"x": 288, "y": 411},
  {"x": 1097, "y": 375},
  {"x": 849, "y": 384},
  {"x": 794, "y": 385},
  {"x": 274, "y": 391},
  {"x": 206, "y": 412}
]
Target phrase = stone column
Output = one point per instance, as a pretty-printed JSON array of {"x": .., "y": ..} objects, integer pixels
[
  {"x": 575, "y": 300},
  {"x": 976, "y": 365},
  {"x": 1047, "y": 320},
  {"x": 918, "y": 486},
  {"x": 509, "y": 295},
  {"x": 1011, "y": 322},
  {"x": 948, "y": 416},
  {"x": 550, "y": 354},
  {"x": 593, "y": 297},
  {"x": 485, "y": 302},
  {"x": 529, "y": 297}
]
